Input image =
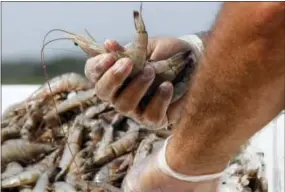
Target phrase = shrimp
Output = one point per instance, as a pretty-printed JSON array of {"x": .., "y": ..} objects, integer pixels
[
  {"x": 10, "y": 132},
  {"x": 63, "y": 187},
  {"x": 46, "y": 136},
  {"x": 108, "y": 173},
  {"x": 107, "y": 139},
  {"x": 22, "y": 151},
  {"x": 12, "y": 128},
  {"x": 96, "y": 132},
  {"x": 126, "y": 163},
  {"x": 77, "y": 168},
  {"x": 25, "y": 189},
  {"x": 91, "y": 112},
  {"x": 81, "y": 100},
  {"x": 42, "y": 183},
  {"x": 112, "y": 117},
  {"x": 31, "y": 123},
  {"x": 137, "y": 52},
  {"x": 64, "y": 83},
  {"x": 144, "y": 148},
  {"x": 31, "y": 174},
  {"x": 12, "y": 168},
  {"x": 74, "y": 142},
  {"x": 12, "y": 110},
  {"x": 119, "y": 147}
]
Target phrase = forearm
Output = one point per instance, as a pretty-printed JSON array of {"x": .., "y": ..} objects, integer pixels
[{"x": 238, "y": 88}]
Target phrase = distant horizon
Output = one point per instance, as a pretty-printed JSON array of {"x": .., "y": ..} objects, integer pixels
[{"x": 24, "y": 24}]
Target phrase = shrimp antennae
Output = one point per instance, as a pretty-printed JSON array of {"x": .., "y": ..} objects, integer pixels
[
  {"x": 89, "y": 35},
  {"x": 47, "y": 79},
  {"x": 54, "y": 30},
  {"x": 63, "y": 50},
  {"x": 141, "y": 7}
]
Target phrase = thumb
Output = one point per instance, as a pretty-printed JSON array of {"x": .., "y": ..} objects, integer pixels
[{"x": 112, "y": 45}]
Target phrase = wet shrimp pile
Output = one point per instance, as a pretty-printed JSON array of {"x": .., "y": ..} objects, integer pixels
[{"x": 84, "y": 144}]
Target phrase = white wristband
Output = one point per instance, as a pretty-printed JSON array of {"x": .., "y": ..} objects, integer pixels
[
  {"x": 195, "y": 42},
  {"x": 163, "y": 166}
]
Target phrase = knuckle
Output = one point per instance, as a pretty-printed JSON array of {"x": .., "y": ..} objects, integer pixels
[
  {"x": 98, "y": 69},
  {"x": 116, "y": 76},
  {"x": 90, "y": 63},
  {"x": 152, "y": 118},
  {"x": 92, "y": 69},
  {"x": 120, "y": 68}
]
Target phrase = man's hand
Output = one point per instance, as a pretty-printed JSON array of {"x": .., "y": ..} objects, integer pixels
[{"x": 109, "y": 75}]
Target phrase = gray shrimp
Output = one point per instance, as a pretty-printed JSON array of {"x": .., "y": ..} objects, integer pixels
[
  {"x": 81, "y": 100},
  {"x": 31, "y": 174},
  {"x": 72, "y": 147},
  {"x": 12, "y": 169},
  {"x": 22, "y": 151},
  {"x": 144, "y": 148},
  {"x": 109, "y": 172},
  {"x": 107, "y": 139},
  {"x": 118, "y": 148},
  {"x": 42, "y": 183},
  {"x": 60, "y": 186},
  {"x": 64, "y": 83},
  {"x": 91, "y": 112}
]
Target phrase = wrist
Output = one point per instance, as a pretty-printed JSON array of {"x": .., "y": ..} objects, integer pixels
[{"x": 194, "y": 160}]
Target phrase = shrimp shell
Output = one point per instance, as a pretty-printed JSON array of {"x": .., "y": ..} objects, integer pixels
[
  {"x": 31, "y": 174},
  {"x": 42, "y": 183},
  {"x": 108, "y": 173},
  {"x": 12, "y": 168},
  {"x": 119, "y": 147},
  {"x": 63, "y": 83},
  {"x": 81, "y": 100},
  {"x": 22, "y": 151},
  {"x": 72, "y": 147},
  {"x": 63, "y": 187}
]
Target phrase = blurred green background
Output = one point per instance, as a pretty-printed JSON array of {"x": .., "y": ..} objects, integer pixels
[{"x": 31, "y": 72}]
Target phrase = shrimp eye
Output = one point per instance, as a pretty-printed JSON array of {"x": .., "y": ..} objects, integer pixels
[{"x": 76, "y": 44}]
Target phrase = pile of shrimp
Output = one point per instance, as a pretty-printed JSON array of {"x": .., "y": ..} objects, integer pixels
[
  {"x": 81, "y": 145},
  {"x": 64, "y": 138}
]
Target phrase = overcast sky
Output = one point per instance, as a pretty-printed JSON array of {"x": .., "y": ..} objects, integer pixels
[{"x": 24, "y": 24}]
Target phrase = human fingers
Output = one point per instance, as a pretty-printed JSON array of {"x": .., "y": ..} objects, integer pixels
[
  {"x": 128, "y": 100},
  {"x": 155, "y": 112},
  {"x": 95, "y": 67},
  {"x": 112, "y": 45},
  {"x": 112, "y": 80}
]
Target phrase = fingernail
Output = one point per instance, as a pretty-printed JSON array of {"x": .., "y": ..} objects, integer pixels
[
  {"x": 148, "y": 72},
  {"x": 121, "y": 66},
  {"x": 105, "y": 62},
  {"x": 107, "y": 41},
  {"x": 165, "y": 89}
]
